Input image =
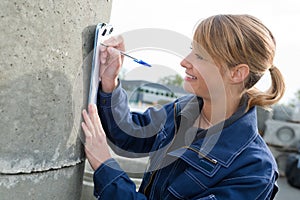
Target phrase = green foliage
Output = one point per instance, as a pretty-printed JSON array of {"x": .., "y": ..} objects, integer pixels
[
  {"x": 176, "y": 80},
  {"x": 296, "y": 100},
  {"x": 298, "y": 95}
]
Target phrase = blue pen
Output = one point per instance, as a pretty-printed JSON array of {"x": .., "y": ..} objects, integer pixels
[{"x": 134, "y": 59}]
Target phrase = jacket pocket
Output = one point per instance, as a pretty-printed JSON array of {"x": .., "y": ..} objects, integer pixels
[
  {"x": 187, "y": 185},
  {"x": 197, "y": 160},
  {"x": 197, "y": 177}
]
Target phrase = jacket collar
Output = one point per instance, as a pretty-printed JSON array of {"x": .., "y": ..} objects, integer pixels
[
  {"x": 227, "y": 143},
  {"x": 224, "y": 141}
]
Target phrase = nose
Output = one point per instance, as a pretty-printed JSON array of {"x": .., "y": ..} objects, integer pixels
[{"x": 185, "y": 63}]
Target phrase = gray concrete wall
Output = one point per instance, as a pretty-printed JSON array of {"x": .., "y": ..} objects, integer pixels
[{"x": 44, "y": 79}]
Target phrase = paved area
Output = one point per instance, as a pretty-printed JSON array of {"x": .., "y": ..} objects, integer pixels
[{"x": 286, "y": 192}]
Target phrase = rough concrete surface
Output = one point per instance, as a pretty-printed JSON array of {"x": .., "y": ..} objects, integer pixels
[
  {"x": 45, "y": 62},
  {"x": 51, "y": 184}
]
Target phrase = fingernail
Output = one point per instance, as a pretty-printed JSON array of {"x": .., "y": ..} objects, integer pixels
[{"x": 111, "y": 50}]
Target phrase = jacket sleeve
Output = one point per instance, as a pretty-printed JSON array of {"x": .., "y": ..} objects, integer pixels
[
  {"x": 249, "y": 188},
  {"x": 241, "y": 188},
  {"x": 111, "y": 182},
  {"x": 129, "y": 131}
]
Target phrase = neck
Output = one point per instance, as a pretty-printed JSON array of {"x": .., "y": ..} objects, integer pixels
[{"x": 216, "y": 111}]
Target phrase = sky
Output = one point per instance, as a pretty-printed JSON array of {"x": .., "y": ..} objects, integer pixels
[{"x": 180, "y": 17}]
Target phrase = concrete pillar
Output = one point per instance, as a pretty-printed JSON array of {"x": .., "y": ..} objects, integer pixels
[{"x": 44, "y": 80}]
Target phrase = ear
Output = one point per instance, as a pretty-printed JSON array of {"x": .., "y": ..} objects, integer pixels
[{"x": 239, "y": 73}]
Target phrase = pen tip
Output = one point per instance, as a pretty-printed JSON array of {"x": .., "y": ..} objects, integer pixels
[{"x": 142, "y": 63}]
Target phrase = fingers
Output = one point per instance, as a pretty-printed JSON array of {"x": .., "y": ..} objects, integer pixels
[
  {"x": 103, "y": 54},
  {"x": 92, "y": 124},
  {"x": 109, "y": 55},
  {"x": 88, "y": 122},
  {"x": 108, "y": 50},
  {"x": 86, "y": 131},
  {"x": 116, "y": 42},
  {"x": 95, "y": 118},
  {"x": 96, "y": 147}
]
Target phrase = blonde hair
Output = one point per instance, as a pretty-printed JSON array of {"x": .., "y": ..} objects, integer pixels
[{"x": 242, "y": 39}]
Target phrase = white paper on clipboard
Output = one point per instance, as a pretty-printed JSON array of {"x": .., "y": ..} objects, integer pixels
[{"x": 102, "y": 31}]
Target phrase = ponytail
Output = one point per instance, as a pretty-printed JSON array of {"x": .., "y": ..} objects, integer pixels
[
  {"x": 272, "y": 95},
  {"x": 230, "y": 40}
]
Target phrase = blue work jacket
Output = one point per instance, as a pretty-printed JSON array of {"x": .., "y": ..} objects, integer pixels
[{"x": 228, "y": 161}]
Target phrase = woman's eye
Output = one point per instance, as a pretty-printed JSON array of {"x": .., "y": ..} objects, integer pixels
[{"x": 199, "y": 57}]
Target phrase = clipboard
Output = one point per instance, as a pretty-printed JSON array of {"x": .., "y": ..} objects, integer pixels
[{"x": 102, "y": 31}]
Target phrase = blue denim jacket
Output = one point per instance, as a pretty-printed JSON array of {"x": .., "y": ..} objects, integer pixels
[{"x": 228, "y": 161}]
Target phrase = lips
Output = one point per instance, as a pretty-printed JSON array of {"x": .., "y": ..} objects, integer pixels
[{"x": 188, "y": 76}]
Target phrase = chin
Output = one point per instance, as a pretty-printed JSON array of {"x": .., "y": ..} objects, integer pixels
[{"x": 188, "y": 88}]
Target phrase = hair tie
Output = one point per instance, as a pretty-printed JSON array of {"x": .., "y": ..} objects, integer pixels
[{"x": 272, "y": 68}]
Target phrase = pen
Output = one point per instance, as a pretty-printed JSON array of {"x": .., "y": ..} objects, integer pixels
[{"x": 134, "y": 59}]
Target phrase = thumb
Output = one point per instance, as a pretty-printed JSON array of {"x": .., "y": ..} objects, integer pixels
[{"x": 113, "y": 52}]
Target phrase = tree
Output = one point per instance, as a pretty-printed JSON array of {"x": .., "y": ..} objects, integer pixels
[
  {"x": 176, "y": 80},
  {"x": 297, "y": 94},
  {"x": 296, "y": 100}
]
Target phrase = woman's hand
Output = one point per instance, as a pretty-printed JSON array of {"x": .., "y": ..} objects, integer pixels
[
  {"x": 96, "y": 147},
  {"x": 111, "y": 62}
]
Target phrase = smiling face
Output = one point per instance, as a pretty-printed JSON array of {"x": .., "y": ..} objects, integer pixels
[
  {"x": 203, "y": 77},
  {"x": 230, "y": 54}
]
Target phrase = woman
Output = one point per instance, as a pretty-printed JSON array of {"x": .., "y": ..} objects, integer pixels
[{"x": 204, "y": 145}]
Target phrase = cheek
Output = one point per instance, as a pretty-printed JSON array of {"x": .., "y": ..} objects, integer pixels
[
  {"x": 215, "y": 87},
  {"x": 197, "y": 87},
  {"x": 210, "y": 85}
]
